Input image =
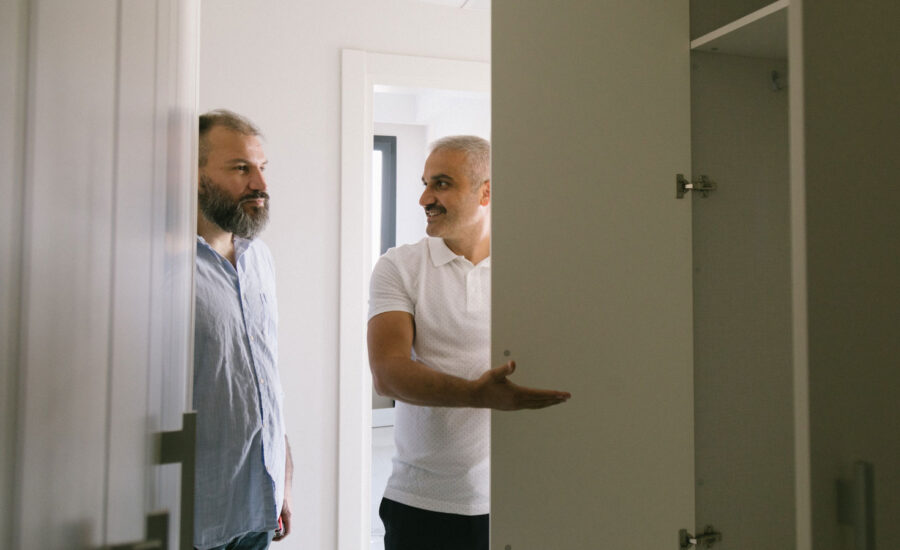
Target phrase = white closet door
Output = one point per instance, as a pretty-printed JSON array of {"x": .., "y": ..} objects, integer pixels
[
  {"x": 64, "y": 363},
  {"x": 107, "y": 244},
  {"x": 592, "y": 273},
  {"x": 13, "y": 41}
]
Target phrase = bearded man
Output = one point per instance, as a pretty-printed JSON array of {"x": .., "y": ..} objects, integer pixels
[{"x": 243, "y": 475}]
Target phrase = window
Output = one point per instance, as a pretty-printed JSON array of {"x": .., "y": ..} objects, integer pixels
[{"x": 384, "y": 187}]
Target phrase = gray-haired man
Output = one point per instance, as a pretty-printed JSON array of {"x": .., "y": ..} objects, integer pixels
[{"x": 429, "y": 349}]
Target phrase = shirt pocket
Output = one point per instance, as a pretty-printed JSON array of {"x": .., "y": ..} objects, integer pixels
[{"x": 261, "y": 317}]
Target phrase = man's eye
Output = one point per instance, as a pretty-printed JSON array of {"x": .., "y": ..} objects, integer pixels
[{"x": 241, "y": 168}]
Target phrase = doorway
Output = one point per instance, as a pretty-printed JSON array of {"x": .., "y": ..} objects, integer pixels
[
  {"x": 406, "y": 120},
  {"x": 365, "y": 77}
]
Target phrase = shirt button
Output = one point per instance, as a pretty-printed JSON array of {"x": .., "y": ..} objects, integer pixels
[{"x": 252, "y": 339}]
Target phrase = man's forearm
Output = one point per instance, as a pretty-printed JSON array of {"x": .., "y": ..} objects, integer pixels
[{"x": 417, "y": 384}]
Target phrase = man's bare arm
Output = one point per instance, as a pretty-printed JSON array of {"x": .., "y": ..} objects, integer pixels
[{"x": 396, "y": 375}]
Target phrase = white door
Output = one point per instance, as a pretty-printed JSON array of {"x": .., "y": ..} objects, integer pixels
[
  {"x": 592, "y": 273},
  {"x": 107, "y": 96}
]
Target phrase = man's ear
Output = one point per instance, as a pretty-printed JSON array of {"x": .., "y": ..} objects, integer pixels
[{"x": 485, "y": 193}]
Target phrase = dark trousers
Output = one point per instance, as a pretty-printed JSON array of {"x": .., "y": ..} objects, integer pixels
[{"x": 408, "y": 528}]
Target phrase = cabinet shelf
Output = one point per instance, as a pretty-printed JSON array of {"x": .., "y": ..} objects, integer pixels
[{"x": 762, "y": 33}]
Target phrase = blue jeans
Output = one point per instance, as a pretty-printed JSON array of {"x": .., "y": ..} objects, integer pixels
[{"x": 250, "y": 541}]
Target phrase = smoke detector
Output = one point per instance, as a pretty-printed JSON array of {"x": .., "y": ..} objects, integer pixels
[{"x": 468, "y": 4}]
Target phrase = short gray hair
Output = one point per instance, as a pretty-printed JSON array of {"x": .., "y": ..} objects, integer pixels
[
  {"x": 478, "y": 155},
  {"x": 226, "y": 119}
]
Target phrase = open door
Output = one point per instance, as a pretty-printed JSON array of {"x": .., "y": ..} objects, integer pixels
[{"x": 592, "y": 285}]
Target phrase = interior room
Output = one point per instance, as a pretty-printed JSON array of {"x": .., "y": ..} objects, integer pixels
[{"x": 694, "y": 232}]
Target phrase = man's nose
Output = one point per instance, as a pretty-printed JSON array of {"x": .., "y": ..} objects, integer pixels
[
  {"x": 426, "y": 198},
  {"x": 258, "y": 180}
]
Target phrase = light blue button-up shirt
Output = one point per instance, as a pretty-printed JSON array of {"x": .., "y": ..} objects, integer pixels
[{"x": 237, "y": 395}]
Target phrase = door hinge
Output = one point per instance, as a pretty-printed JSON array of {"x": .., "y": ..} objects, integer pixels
[
  {"x": 704, "y": 185},
  {"x": 707, "y": 539}
]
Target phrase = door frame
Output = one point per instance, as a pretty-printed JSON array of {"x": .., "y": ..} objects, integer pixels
[{"x": 361, "y": 71}]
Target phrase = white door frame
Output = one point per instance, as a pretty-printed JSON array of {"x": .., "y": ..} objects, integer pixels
[{"x": 361, "y": 72}]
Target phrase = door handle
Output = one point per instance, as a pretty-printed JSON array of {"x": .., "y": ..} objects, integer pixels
[
  {"x": 173, "y": 447},
  {"x": 180, "y": 446}
]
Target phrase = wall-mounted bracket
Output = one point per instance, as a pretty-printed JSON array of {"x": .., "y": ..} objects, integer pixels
[
  {"x": 856, "y": 504},
  {"x": 706, "y": 539},
  {"x": 704, "y": 185}
]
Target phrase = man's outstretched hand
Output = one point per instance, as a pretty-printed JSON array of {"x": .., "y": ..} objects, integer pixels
[{"x": 495, "y": 391}]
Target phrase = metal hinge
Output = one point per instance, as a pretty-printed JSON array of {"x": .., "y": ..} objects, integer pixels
[
  {"x": 706, "y": 540},
  {"x": 704, "y": 185}
]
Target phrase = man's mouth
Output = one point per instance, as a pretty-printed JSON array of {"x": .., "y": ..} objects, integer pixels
[
  {"x": 255, "y": 199},
  {"x": 433, "y": 211}
]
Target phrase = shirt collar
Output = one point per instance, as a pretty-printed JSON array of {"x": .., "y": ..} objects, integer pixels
[
  {"x": 441, "y": 254},
  {"x": 240, "y": 245}
]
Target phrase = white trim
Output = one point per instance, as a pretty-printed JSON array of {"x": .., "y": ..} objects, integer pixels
[
  {"x": 742, "y": 23},
  {"x": 360, "y": 72},
  {"x": 799, "y": 291}
]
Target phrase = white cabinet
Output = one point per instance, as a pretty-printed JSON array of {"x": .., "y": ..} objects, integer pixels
[
  {"x": 730, "y": 357},
  {"x": 743, "y": 401}
]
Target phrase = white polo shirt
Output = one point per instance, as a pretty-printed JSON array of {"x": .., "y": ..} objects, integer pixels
[{"x": 442, "y": 461}]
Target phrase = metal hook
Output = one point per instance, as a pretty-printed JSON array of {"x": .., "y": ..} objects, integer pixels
[{"x": 776, "y": 81}]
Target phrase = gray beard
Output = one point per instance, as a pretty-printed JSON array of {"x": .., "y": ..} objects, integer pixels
[{"x": 228, "y": 213}]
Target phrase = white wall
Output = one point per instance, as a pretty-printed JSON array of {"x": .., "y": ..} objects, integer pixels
[
  {"x": 279, "y": 64},
  {"x": 443, "y": 112},
  {"x": 456, "y": 113}
]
